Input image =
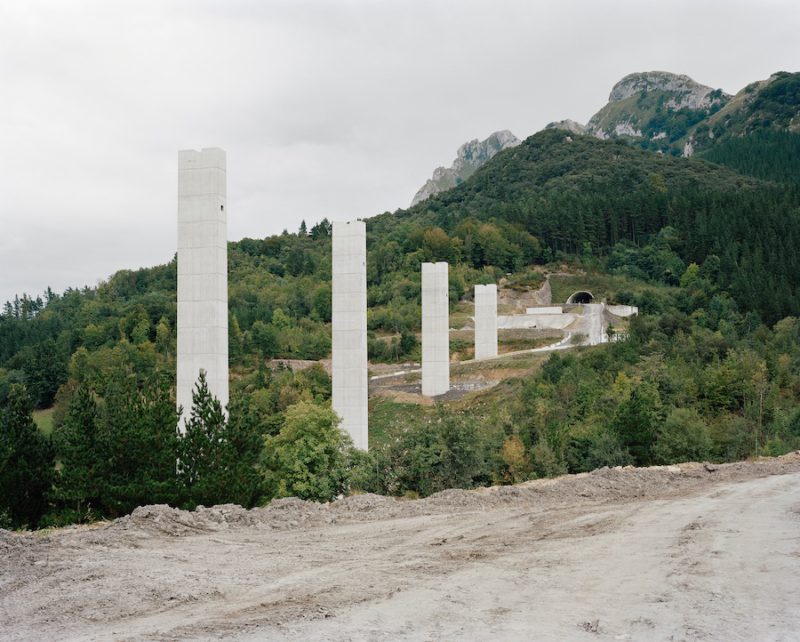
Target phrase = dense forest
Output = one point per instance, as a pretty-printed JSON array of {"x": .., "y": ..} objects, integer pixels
[{"x": 710, "y": 369}]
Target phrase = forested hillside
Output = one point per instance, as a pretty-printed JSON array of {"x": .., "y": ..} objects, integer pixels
[
  {"x": 711, "y": 368},
  {"x": 578, "y": 194}
]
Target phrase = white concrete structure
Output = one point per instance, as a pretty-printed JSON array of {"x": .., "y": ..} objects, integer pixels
[
  {"x": 202, "y": 275},
  {"x": 623, "y": 310},
  {"x": 435, "y": 330},
  {"x": 349, "y": 329},
  {"x": 595, "y": 324},
  {"x": 545, "y": 309},
  {"x": 538, "y": 321},
  {"x": 485, "y": 321}
]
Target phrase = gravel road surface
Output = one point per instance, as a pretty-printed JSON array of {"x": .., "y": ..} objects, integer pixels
[{"x": 689, "y": 552}]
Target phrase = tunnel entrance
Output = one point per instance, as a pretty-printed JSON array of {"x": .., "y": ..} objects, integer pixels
[{"x": 580, "y": 297}]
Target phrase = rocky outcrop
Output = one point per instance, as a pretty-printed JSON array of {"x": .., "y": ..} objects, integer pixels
[
  {"x": 688, "y": 93},
  {"x": 568, "y": 125},
  {"x": 650, "y": 108},
  {"x": 470, "y": 157}
]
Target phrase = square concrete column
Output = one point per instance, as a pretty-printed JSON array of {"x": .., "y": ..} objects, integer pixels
[
  {"x": 435, "y": 330},
  {"x": 485, "y": 321},
  {"x": 202, "y": 275},
  {"x": 349, "y": 329}
]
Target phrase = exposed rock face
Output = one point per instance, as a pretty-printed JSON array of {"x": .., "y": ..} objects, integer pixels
[
  {"x": 688, "y": 93},
  {"x": 568, "y": 125},
  {"x": 627, "y": 129},
  {"x": 651, "y": 108},
  {"x": 470, "y": 156}
]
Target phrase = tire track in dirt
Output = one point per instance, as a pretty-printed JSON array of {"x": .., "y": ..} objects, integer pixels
[{"x": 675, "y": 553}]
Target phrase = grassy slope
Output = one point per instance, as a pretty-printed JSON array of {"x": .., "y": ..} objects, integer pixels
[
  {"x": 44, "y": 420},
  {"x": 602, "y": 286}
]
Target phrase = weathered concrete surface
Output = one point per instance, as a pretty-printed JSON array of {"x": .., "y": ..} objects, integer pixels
[
  {"x": 435, "y": 329},
  {"x": 623, "y": 310},
  {"x": 581, "y": 296},
  {"x": 595, "y": 324},
  {"x": 543, "y": 321},
  {"x": 485, "y": 321},
  {"x": 349, "y": 329},
  {"x": 545, "y": 309},
  {"x": 683, "y": 552},
  {"x": 202, "y": 275}
]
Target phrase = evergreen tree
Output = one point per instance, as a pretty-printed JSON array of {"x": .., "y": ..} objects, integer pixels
[
  {"x": 245, "y": 438},
  {"x": 218, "y": 456},
  {"x": 636, "y": 422},
  {"x": 78, "y": 482},
  {"x": 26, "y": 461},
  {"x": 45, "y": 370},
  {"x": 321, "y": 230},
  {"x": 138, "y": 443}
]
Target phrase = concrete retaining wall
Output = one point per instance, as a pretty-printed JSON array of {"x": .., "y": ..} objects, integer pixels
[
  {"x": 540, "y": 321},
  {"x": 623, "y": 310},
  {"x": 544, "y": 309}
]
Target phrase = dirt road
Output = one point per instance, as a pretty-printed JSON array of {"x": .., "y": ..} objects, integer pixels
[
  {"x": 595, "y": 324},
  {"x": 671, "y": 553}
]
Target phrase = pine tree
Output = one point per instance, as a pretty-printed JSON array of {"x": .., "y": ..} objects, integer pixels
[
  {"x": 217, "y": 462},
  {"x": 636, "y": 422},
  {"x": 45, "y": 370},
  {"x": 136, "y": 444},
  {"x": 79, "y": 479},
  {"x": 26, "y": 461}
]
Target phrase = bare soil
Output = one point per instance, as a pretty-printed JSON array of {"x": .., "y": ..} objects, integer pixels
[{"x": 689, "y": 552}]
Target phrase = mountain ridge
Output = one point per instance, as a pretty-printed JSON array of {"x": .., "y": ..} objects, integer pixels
[
  {"x": 469, "y": 157},
  {"x": 673, "y": 114},
  {"x": 658, "y": 111}
]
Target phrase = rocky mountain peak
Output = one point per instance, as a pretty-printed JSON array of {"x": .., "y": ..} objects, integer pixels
[
  {"x": 653, "y": 107},
  {"x": 568, "y": 125},
  {"x": 469, "y": 157},
  {"x": 692, "y": 94}
]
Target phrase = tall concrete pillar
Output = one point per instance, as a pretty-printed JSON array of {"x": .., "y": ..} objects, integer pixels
[
  {"x": 349, "y": 321},
  {"x": 202, "y": 275},
  {"x": 485, "y": 321},
  {"x": 435, "y": 330}
]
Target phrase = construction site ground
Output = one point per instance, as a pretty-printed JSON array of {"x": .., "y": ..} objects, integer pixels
[{"x": 687, "y": 552}]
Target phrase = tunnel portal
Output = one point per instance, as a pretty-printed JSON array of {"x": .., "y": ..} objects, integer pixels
[{"x": 580, "y": 297}]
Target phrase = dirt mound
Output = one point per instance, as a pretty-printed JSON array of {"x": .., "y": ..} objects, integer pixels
[
  {"x": 9, "y": 540},
  {"x": 365, "y": 503},
  {"x": 604, "y": 485},
  {"x": 717, "y": 552},
  {"x": 162, "y": 519}
]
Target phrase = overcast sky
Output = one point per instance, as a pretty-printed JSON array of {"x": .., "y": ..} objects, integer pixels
[{"x": 326, "y": 109}]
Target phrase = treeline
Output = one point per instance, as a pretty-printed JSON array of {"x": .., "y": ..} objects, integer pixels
[
  {"x": 104, "y": 357},
  {"x": 279, "y": 304},
  {"x": 572, "y": 193},
  {"x": 769, "y": 155},
  {"x": 118, "y": 447},
  {"x": 547, "y": 200},
  {"x": 696, "y": 379}
]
